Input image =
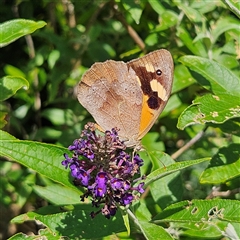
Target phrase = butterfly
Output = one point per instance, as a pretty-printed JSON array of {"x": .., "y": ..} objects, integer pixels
[{"x": 129, "y": 96}]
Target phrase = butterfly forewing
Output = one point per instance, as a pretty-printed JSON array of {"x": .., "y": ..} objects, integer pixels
[{"x": 155, "y": 75}]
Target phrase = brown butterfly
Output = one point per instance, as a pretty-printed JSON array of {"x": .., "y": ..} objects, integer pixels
[{"x": 129, "y": 96}]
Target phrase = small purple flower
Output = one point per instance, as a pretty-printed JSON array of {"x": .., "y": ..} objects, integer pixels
[
  {"x": 137, "y": 160},
  {"x": 140, "y": 187},
  {"x": 74, "y": 169},
  {"x": 67, "y": 160},
  {"x": 116, "y": 183},
  {"x": 126, "y": 185},
  {"x": 101, "y": 184},
  {"x": 74, "y": 146},
  {"x": 109, "y": 210},
  {"x": 84, "y": 177},
  {"x": 101, "y": 165},
  {"x": 127, "y": 199}
]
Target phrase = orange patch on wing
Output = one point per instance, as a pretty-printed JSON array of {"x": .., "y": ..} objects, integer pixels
[{"x": 146, "y": 116}]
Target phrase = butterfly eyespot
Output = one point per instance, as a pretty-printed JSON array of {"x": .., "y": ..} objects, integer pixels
[{"x": 159, "y": 72}]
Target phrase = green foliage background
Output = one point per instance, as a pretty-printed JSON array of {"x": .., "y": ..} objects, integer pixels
[{"x": 40, "y": 116}]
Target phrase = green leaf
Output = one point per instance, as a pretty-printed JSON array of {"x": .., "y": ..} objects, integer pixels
[
  {"x": 166, "y": 170},
  {"x": 74, "y": 224},
  {"x": 157, "y": 7},
  {"x": 229, "y": 47},
  {"x": 58, "y": 194},
  {"x": 233, "y": 6},
  {"x": 211, "y": 231},
  {"x": 6, "y": 136},
  {"x": 217, "y": 78},
  {"x": 193, "y": 14},
  {"x": 150, "y": 142},
  {"x": 198, "y": 211},
  {"x": 14, "y": 29},
  {"x": 152, "y": 39},
  {"x": 228, "y": 61},
  {"x": 21, "y": 236},
  {"x": 173, "y": 103},
  {"x": 59, "y": 116},
  {"x": 225, "y": 165},
  {"x": 210, "y": 108},
  {"x": 204, "y": 6},
  {"x": 53, "y": 58},
  {"x": 224, "y": 25},
  {"x": 134, "y": 9},
  {"x": 141, "y": 210},
  {"x": 125, "y": 217},
  {"x": 196, "y": 48},
  {"x": 151, "y": 230},
  {"x": 13, "y": 71},
  {"x": 43, "y": 158},
  {"x": 171, "y": 185},
  {"x": 9, "y": 86},
  {"x": 48, "y": 133},
  {"x": 231, "y": 126},
  {"x": 168, "y": 19},
  {"x": 182, "y": 78}
]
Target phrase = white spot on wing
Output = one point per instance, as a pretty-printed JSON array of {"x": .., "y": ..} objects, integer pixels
[{"x": 157, "y": 87}]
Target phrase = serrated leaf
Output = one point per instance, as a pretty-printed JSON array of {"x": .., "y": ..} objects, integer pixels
[
  {"x": 201, "y": 210},
  {"x": 14, "y": 29},
  {"x": 192, "y": 229},
  {"x": 76, "y": 223},
  {"x": 6, "y": 136},
  {"x": 225, "y": 165},
  {"x": 171, "y": 186},
  {"x": 43, "y": 158},
  {"x": 21, "y": 236},
  {"x": 217, "y": 78},
  {"x": 58, "y": 194},
  {"x": 9, "y": 86},
  {"x": 210, "y": 108},
  {"x": 166, "y": 170},
  {"x": 151, "y": 231}
]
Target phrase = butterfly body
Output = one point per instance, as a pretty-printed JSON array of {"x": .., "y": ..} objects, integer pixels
[{"x": 129, "y": 96}]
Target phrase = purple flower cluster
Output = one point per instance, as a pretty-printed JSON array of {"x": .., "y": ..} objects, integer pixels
[{"x": 101, "y": 165}]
